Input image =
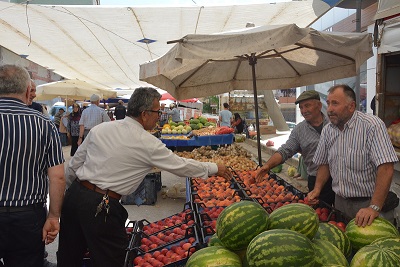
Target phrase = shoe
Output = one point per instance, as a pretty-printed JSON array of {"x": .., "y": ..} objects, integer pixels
[{"x": 46, "y": 263}]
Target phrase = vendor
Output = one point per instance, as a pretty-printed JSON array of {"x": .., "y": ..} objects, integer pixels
[
  {"x": 237, "y": 123},
  {"x": 174, "y": 113}
]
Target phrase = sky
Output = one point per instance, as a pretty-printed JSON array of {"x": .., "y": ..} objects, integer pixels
[{"x": 184, "y": 2}]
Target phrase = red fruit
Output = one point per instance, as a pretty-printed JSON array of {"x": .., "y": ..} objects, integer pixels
[
  {"x": 333, "y": 222},
  {"x": 186, "y": 246},
  {"x": 153, "y": 246},
  {"x": 325, "y": 210},
  {"x": 156, "y": 254},
  {"x": 164, "y": 251},
  {"x": 318, "y": 211},
  {"x": 191, "y": 240},
  {"x": 144, "y": 248},
  {"x": 138, "y": 260}
]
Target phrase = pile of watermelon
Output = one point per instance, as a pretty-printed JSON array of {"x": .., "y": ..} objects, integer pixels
[{"x": 293, "y": 236}]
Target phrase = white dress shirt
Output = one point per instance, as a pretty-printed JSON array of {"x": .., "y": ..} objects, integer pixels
[{"x": 118, "y": 155}]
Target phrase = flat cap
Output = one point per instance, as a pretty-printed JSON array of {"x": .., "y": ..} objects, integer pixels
[
  {"x": 94, "y": 98},
  {"x": 306, "y": 95}
]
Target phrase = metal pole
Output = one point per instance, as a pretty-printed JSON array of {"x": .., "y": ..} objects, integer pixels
[
  {"x": 358, "y": 29},
  {"x": 252, "y": 63}
]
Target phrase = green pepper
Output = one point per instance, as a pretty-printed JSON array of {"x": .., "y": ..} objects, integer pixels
[{"x": 277, "y": 169}]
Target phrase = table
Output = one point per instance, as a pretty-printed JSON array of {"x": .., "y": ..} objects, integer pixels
[{"x": 209, "y": 140}]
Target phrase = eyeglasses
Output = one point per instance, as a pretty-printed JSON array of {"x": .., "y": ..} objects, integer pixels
[{"x": 158, "y": 111}]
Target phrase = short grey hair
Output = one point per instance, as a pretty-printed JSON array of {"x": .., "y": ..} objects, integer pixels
[
  {"x": 13, "y": 79},
  {"x": 141, "y": 100}
]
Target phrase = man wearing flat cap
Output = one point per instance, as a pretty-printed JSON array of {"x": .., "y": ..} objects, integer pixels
[
  {"x": 92, "y": 116},
  {"x": 304, "y": 139}
]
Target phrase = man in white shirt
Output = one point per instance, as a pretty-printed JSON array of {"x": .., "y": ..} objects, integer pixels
[
  {"x": 113, "y": 161},
  {"x": 91, "y": 116}
]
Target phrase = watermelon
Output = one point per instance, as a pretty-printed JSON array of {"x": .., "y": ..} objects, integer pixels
[
  {"x": 327, "y": 253},
  {"x": 214, "y": 241},
  {"x": 297, "y": 217},
  {"x": 362, "y": 236},
  {"x": 390, "y": 242},
  {"x": 375, "y": 256},
  {"x": 280, "y": 247},
  {"x": 333, "y": 234},
  {"x": 214, "y": 256},
  {"x": 240, "y": 222}
]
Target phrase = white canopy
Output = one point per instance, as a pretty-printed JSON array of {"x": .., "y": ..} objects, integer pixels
[{"x": 104, "y": 45}]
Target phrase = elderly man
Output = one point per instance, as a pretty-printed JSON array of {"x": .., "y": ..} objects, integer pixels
[
  {"x": 304, "y": 138},
  {"x": 355, "y": 149},
  {"x": 31, "y": 166},
  {"x": 91, "y": 116},
  {"x": 31, "y": 104},
  {"x": 113, "y": 161}
]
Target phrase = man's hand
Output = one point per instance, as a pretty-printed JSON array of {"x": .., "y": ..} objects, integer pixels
[
  {"x": 223, "y": 171},
  {"x": 79, "y": 141},
  {"x": 366, "y": 216},
  {"x": 261, "y": 173},
  {"x": 312, "y": 197},
  {"x": 50, "y": 230}
]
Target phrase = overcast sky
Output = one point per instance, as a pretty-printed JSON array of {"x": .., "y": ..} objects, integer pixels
[{"x": 184, "y": 2}]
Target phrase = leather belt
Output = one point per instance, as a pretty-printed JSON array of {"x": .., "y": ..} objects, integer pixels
[
  {"x": 93, "y": 187},
  {"x": 21, "y": 208},
  {"x": 358, "y": 198}
]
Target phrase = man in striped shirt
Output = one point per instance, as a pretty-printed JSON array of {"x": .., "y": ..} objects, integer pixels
[
  {"x": 356, "y": 151},
  {"x": 304, "y": 138},
  {"x": 91, "y": 116},
  {"x": 31, "y": 165}
]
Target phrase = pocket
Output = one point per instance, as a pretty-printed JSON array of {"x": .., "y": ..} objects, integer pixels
[{"x": 356, "y": 160}]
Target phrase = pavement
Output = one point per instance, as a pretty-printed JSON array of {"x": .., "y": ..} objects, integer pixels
[{"x": 171, "y": 200}]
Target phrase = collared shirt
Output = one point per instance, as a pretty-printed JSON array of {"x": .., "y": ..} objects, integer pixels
[
  {"x": 29, "y": 146},
  {"x": 118, "y": 155},
  {"x": 304, "y": 139},
  {"x": 226, "y": 117},
  {"x": 355, "y": 153},
  {"x": 92, "y": 116}
]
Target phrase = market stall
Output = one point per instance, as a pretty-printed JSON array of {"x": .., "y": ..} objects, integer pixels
[{"x": 210, "y": 140}]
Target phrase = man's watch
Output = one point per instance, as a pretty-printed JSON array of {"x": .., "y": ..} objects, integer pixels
[{"x": 375, "y": 208}]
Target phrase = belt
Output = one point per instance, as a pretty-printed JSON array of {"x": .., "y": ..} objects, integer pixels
[
  {"x": 21, "y": 208},
  {"x": 358, "y": 198},
  {"x": 93, "y": 187}
]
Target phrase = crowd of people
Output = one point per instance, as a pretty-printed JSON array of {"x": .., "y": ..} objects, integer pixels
[{"x": 348, "y": 156}]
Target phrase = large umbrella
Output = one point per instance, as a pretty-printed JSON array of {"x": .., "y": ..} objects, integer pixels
[
  {"x": 72, "y": 89},
  {"x": 286, "y": 56}
]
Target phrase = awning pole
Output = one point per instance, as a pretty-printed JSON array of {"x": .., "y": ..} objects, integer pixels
[{"x": 253, "y": 62}]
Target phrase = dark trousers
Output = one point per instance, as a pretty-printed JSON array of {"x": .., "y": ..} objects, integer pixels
[
  {"x": 80, "y": 229},
  {"x": 327, "y": 195},
  {"x": 74, "y": 144},
  {"x": 21, "y": 242}
]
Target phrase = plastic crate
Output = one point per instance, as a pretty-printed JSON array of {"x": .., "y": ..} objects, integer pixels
[
  {"x": 145, "y": 194},
  {"x": 157, "y": 176}
]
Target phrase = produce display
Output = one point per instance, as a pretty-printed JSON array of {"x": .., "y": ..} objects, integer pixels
[
  {"x": 224, "y": 224},
  {"x": 234, "y": 155}
]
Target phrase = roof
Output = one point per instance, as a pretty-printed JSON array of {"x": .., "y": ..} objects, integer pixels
[{"x": 104, "y": 45}]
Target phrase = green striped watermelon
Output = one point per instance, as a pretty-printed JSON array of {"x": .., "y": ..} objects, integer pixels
[
  {"x": 214, "y": 256},
  {"x": 333, "y": 234},
  {"x": 214, "y": 241},
  {"x": 239, "y": 223},
  {"x": 375, "y": 256},
  {"x": 362, "y": 236},
  {"x": 280, "y": 247},
  {"x": 327, "y": 253},
  {"x": 390, "y": 242},
  {"x": 297, "y": 217}
]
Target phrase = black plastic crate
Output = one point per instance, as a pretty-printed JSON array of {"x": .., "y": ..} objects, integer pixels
[
  {"x": 157, "y": 176},
  {"x": 145, "y": 194}
]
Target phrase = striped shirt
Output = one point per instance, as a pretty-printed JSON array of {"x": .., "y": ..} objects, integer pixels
[
  {"x": 93, "y": 116},
  {"x": 29, "y": 146},
  {"x": 304, "y": 139},
  {"x": 354, "y": 154}
]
